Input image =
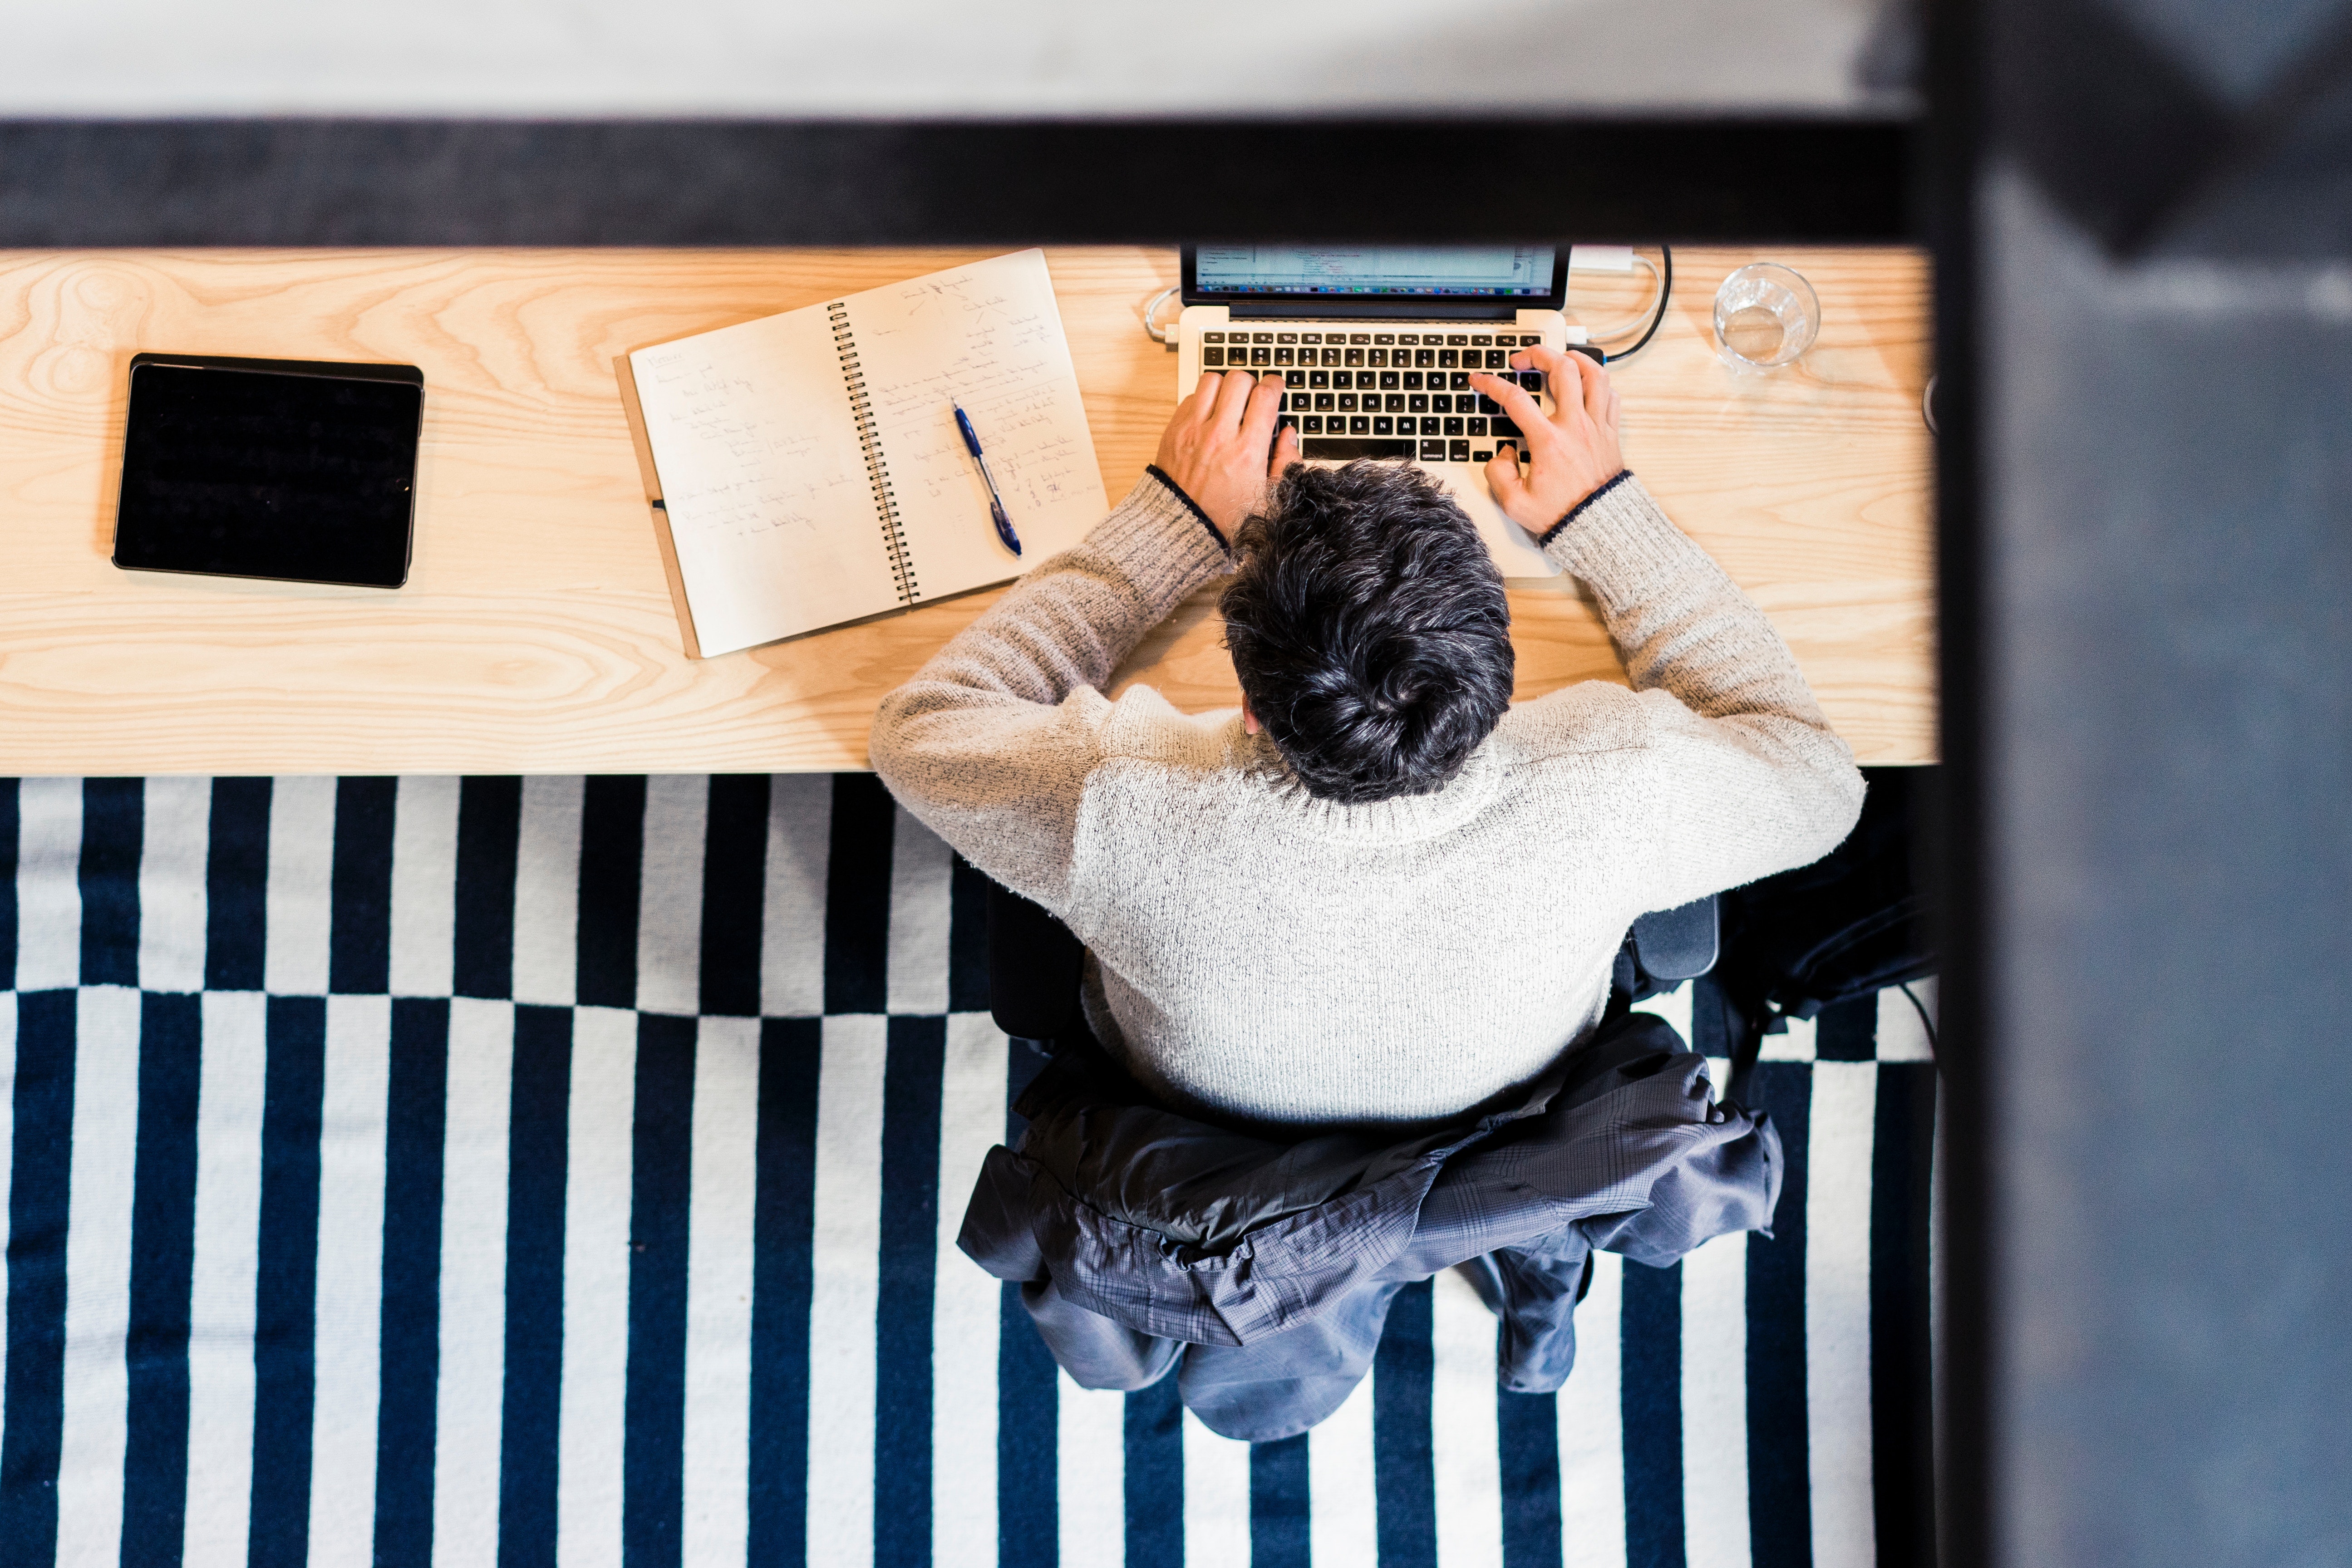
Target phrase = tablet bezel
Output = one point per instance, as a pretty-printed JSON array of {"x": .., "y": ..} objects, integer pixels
[{"x": 323, "y": 370}]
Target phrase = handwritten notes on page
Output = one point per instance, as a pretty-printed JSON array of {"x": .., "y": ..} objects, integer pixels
[
  {"x": 771, "y": 510},
  {"x": 772, "y": 504},
  {"x": 987, "y": 336}
]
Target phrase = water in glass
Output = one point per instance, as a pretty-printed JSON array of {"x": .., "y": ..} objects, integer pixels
[{"x": 1765, "y": 316}]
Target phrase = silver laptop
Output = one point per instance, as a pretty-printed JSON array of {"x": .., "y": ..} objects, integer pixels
[{"x": 1375, "y": 344}]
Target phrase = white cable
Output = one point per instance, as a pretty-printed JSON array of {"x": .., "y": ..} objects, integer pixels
[
  {"x": 1641, "y": 317},
  {"x": 1154, "y": 333}
]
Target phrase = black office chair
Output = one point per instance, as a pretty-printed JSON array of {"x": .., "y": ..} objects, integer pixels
[
  {"x": 1666, "y": 947},
  {"x": 1033, "y": 960},
  {"x": 1033, "y": 968}
]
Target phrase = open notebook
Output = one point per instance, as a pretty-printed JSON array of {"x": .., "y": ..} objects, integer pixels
[{"x": 810, "y": 465}]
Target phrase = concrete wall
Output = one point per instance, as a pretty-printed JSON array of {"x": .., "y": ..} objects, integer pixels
[{"x": 921, "y": 57}]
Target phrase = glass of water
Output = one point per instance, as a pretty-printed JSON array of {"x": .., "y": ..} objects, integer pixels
[{"x": 1765, "y": 316}]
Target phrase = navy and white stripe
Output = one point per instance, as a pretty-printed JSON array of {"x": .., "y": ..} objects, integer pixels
[{"x": 556, "y": 1173}]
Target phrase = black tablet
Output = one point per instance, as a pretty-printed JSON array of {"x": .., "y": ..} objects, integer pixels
[{"x": 257, "y": 467}]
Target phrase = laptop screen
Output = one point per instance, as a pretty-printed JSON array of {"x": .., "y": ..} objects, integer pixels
[{"x": 1523, "y": 274}]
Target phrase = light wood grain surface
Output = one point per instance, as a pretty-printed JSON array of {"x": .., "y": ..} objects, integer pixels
[{"x": 536, "y": 634}]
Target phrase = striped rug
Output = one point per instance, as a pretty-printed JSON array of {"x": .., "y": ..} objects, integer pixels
[{"x": 429, "y": 1172}]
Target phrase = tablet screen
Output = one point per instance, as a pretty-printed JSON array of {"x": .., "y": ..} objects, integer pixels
[{"x": 269, "y": 469}]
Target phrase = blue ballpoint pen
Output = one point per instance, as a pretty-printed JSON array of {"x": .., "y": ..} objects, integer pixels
[{"x": 995, "y": 501}]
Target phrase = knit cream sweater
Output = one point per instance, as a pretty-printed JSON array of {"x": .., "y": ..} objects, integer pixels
[{"x": 1258, "y": 953}]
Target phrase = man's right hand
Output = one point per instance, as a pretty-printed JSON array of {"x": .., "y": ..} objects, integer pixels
[
  {"x": 1221, "y": 449},
  {"x": 1569, "y": 455}
]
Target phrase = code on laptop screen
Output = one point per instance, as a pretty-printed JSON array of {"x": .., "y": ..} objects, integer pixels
[{"x": 1485, "y": 271}]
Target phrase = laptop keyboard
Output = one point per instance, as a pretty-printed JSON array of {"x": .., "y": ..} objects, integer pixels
[{"x": 1381, "y": 395}]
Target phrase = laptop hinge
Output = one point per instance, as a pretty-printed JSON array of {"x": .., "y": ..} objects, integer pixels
[{"x": 1322, "y": 308}]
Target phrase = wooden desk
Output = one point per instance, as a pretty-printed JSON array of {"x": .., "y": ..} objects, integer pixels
[{"x": 536, "y": 634}]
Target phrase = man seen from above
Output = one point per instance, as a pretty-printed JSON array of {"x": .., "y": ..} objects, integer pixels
[{"x": 1378, "y": 893}]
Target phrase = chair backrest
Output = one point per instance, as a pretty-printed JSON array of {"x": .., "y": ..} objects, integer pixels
[
  {"x": 1033, "y": 960},
  {"x": 1677, "y": 945},
  {"x": 1033, "y": 968}
]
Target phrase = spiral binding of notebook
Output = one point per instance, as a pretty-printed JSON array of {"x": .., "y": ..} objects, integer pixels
[
  {"x": 877, "y": 470},
  {"x": 754, "y": 431}
]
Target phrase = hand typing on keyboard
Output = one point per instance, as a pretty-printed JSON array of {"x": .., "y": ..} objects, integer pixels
[
  {"x": 1569, "y": 455},
  {"x": 1221, "y": 449}
]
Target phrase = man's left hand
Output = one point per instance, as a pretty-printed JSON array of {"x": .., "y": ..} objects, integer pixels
[
  {"x": 1221, "y": 450},
  {"x": 1569, "y": 454}
]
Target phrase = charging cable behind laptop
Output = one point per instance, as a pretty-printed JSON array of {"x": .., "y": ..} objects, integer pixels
[
  {"x": 1166, "y": 336},
  {"x": 1665, "y": 293}
]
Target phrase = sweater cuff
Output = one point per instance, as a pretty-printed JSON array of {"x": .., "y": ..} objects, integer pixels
[
  {"x": 1579, "y": 510},
  {"x": 1156, "y": 540},
  {"x": 1155, "y": 471},
  {"x": 1618, "y": 540}
]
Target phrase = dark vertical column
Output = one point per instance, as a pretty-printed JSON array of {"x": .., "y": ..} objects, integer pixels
[
  {"x": 10, "y": 832},
  {"x": 967, "y": 939},
  {"x": 783, "y": 1228},
  {"x": 408, "y": 1377},
  {"x": 734, "y": 882},
  {"x": 612, "y": 855},
  {"x": 162, "y": 1259},
  {"x": 1404, "y": 1467},
  {"x": 539, "y": 1145},
  {"x": 1153, "y": 1438},
  {"x": 359, "y": 952},
  {"x": 1902, "y": 1386},
  {"x": 909, "y": 1259},
  {"x": 113, "y": 832},
  {"x": 40, "y": 1184},
  {"x": 1280, "y": 1507},
  {"x": 653, "y": 1453},
  {"x": 237, "y": 885},
  {"x": 857, "y": 896},
  {"x": 1650, "y": 1405},
  {"x": 1028, "y": 1398},
  {"x": 285, "y": 1284},
  {"x": 489, "y": 835},
  {"x": 1958, "y": 859},
  {"x": 1528, "y": 1427},
  {"x": 1779, "y": 1469}
]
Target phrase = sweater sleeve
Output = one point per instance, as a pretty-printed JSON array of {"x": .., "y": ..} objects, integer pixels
[
  {"x": 1741, "y": 776},
  {"x": 990, "y": 743}
]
